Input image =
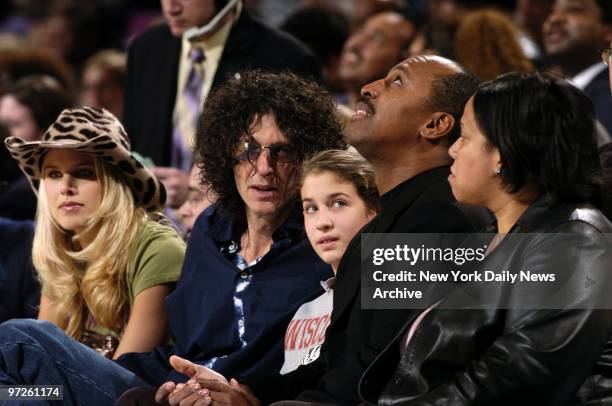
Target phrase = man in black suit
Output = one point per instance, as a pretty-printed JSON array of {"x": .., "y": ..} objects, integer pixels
[
  {"x": 403, "y": 125},
  {"x": 157, "y": 71},
  {"x": 574, "y": 34}
]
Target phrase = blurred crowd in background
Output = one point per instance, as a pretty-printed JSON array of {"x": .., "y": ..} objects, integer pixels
[{"x": 80, "y": 44}]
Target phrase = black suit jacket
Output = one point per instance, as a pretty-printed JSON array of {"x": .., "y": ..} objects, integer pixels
[
  {"x": 152, "y": 74},
  {"x": 355, "y": 337},
  {"x": 598, "y": 91}
]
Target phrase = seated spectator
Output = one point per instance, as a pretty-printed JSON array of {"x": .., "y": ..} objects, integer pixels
[
  {"x": 104, "y": 263},
  {"x": 248, "y": 266},
  {"x": 199, "y": 197},
  {"x": 27, "y": 109},
  {"x": 574, "y": 34},
  {"x": 19, "y": 289},
  {"x": 339, "y": 197},
  {"x": 372, "y": 50},
  {"x": 517, "y": 157},
  {"x": 102, "y": 81}
]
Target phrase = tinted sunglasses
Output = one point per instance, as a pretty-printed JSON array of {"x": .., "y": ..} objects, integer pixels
[{"x": 250, "y": 151}]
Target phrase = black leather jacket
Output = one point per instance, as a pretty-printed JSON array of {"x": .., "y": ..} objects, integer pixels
[{"x": 509, "y": 356}]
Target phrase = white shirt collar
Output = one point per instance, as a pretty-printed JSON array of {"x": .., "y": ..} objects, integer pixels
[{"x": 585, "y": 77}]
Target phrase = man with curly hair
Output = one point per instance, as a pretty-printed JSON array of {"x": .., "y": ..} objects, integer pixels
[{"x": 248, "y": 265}]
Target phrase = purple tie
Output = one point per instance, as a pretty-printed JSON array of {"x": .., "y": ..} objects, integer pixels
[{"x": 191, "y": 95}]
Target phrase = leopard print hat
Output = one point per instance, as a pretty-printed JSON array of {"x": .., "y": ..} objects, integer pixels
[{"x": 96, "y": 132}]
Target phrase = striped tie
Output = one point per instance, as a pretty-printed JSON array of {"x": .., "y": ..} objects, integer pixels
[{"x": 182, "y": 136}]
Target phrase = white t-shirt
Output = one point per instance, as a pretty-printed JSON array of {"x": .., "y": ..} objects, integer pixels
[{"x": 306, "y": 331}]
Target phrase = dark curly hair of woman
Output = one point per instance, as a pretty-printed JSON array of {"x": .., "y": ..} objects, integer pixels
[{"x": 304, "y": 112}]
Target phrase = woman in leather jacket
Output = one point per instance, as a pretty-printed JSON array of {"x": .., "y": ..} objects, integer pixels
[{"x": 527, "y": 153}]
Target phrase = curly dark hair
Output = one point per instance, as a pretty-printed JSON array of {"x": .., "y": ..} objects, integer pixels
[{"x": 304, "y": 112}]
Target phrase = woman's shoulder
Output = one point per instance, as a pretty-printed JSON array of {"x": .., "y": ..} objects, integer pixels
[
  {"x": 576, "y": 218},
  {"x": 153, "y": 234},
  {"x": 152, "y": 228},
  {"x": 591, "y": 216},
  {"x": 156, "y": 257}
]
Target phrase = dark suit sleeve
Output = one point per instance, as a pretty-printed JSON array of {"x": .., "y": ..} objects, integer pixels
[
  {"x": 150, "y": 91},
  {"x": 134, "y": 97}
]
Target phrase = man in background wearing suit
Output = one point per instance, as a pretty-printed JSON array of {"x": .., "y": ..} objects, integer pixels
[
  {"x": 574, "y": 34},
  {"x": 173, "y": 66}
]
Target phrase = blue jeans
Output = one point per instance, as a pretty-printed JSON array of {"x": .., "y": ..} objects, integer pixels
[{"x": 37, "y": 353}]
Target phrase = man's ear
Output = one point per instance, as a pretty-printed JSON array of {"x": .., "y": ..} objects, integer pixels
[{"x": 438, "y": 127}]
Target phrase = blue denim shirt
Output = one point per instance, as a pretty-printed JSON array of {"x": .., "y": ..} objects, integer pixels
[{"x": 231, "y": 316}]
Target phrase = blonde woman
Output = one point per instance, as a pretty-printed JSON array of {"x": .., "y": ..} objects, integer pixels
[{"x": 104, "y": 262}]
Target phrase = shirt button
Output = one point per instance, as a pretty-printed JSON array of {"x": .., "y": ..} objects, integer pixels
[
  {"x": 241, "y": 323},
  {"x": 244, "y": 275}
]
